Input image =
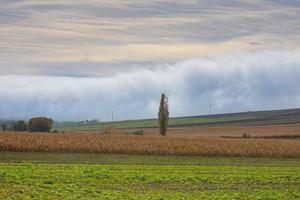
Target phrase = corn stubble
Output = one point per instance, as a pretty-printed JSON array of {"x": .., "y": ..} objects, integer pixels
[{"x": 129, "y": 144}]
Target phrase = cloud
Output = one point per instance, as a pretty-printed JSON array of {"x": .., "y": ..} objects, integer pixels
[
  {"x": 38, "y": 32},
  {"x": 233, "y": 82}
]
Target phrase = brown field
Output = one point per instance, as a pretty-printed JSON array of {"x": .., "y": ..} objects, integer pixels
[
  {"x": 229, "y": 130},
  {"x": 148, "y": 144}
]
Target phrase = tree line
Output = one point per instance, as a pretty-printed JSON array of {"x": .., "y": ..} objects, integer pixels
[{"x": 36, "y": 124}]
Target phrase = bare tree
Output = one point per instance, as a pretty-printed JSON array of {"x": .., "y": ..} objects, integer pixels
[{"x": 163, "y": 115}]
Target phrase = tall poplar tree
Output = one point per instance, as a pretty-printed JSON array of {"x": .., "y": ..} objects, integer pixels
[{"x": 163, "y": 115}]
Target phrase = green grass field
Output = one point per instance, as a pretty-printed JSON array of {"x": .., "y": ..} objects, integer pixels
[
  {"x": 61, "y": 176},
  {"x": 145, "y": 123},
  {"x": 259, "y": 117}
]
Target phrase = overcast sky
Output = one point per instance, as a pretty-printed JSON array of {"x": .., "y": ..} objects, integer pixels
[{"x": 74, "y": 60}]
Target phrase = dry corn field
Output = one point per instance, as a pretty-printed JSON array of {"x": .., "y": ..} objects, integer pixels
[{"x": 129, "y": 144}]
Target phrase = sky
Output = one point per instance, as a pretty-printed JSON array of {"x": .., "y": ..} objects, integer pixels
[{"x": 77, "y": 60}]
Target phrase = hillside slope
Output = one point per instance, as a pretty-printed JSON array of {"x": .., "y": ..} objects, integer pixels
[{"x": 273, "y": 117}]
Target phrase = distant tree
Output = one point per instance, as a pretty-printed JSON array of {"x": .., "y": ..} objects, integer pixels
[
  {"x": 94, "y": 121},
  {"x": 19, "y": 126},
  {"x": 40, "y": 124},
  {"x": 3, "y": 127},
  {"x": 163, "y": 115}
]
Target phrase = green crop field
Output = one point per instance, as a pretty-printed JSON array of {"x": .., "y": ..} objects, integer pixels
[
  {"x": 252, "y": 118},
  {"x": 146, "y": 123},
  {"x": 61, "y": 176}
]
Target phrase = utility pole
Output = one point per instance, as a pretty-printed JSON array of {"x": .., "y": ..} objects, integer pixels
[
  {"x": 112, "y": 116},
  {"x": 209, "y": 109}
]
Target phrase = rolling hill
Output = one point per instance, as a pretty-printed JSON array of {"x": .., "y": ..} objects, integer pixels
[{"x": 252, "y": 118}]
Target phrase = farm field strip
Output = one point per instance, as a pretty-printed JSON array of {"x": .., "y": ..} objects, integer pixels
[
  {"x": 247, "y": 118},
  {"x": 94, "y": 158},
  {"x": 150, "y": 123},
  {"x": 129, "y": 144},
  {"x": 131, "y": 181},
  {"x": 228, "y": 130}
]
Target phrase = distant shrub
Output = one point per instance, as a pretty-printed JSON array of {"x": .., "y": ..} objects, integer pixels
[
  {"x": 19, "y": 126},
  {"x": 138, "y": 132},
  {"x": 245, "y": 135},
  {"x": 40, "y": 124},
  {"x": 55, "y": 131}
]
